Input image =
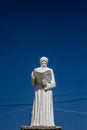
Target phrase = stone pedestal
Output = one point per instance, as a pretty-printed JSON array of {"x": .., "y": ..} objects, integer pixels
[{"x": 41, "y": 128}]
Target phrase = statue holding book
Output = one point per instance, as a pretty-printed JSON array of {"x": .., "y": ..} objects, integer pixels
[{"x": 44, "y": 81}]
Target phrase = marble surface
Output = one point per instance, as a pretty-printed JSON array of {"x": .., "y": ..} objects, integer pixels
[{"x": 42, "y": 112}]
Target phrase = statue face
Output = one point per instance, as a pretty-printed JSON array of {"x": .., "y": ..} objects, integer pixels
[{"x": 43, "y": 64}]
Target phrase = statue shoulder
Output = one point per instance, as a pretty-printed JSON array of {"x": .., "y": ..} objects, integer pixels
[
  {"x": 49, "y": 69},
  {"x": 37, "y": 69}
]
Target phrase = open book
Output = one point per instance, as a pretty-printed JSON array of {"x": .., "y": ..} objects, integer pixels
[{"x": 39, "y": 76}]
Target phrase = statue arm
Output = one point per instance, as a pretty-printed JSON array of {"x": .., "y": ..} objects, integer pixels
[{"x": 52, "y": 83}]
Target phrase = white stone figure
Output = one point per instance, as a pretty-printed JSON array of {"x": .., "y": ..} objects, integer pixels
[{"x": 42, "y": 113}]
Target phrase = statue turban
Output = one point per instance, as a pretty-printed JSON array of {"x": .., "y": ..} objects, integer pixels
[{"x": 44, "y": 59}]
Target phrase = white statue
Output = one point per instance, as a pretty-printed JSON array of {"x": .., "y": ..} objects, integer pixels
[{"x": 42, "y": 113}]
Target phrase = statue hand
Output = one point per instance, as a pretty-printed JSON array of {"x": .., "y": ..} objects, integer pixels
[{"x": 44, "y": 82}]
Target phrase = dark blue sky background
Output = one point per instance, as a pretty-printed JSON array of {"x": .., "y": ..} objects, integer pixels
[{"x": 29, "y": 30}]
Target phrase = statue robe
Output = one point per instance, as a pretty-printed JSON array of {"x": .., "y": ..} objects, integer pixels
[{"x": 42, "y": 113}]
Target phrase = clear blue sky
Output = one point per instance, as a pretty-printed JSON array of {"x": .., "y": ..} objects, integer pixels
[{"x": 31, "y": 29}]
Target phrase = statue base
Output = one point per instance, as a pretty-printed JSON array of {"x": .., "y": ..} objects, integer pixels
[{"x": 41, "y": 128}]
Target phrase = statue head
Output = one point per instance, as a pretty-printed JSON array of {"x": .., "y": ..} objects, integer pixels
[{"x": 43, "y": 61}]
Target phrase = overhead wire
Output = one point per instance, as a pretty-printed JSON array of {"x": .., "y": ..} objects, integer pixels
[
  {"x": 55, "y": 102},
  {"x": 58, "y": 109},
  {"x": 22, "y": 109},
  {"x": 71, "y": 111},
  {"x": 14, "y": 105},
  {"x": 70, "y": 94},
  {"x": 71, "y": 100},
  {"x": 57, "y": 95}
]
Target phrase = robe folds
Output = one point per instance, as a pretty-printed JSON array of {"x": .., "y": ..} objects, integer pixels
[{"x": 42, "y": 112}]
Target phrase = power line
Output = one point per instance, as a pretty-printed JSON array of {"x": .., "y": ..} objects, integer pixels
[
  {"x": 72, "y": 100},
  {"x": 27, "y": 98},
  {"x": 7, "y": 99},
  {"x": 14, "y": 105},
  {"x": 27, "y": 104},
  {"x": 5, "y": 113},
  {"x": 76, "y": 112},
  {"x": 59, "y": 109},
  {"x": 70, "y": 94}
]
